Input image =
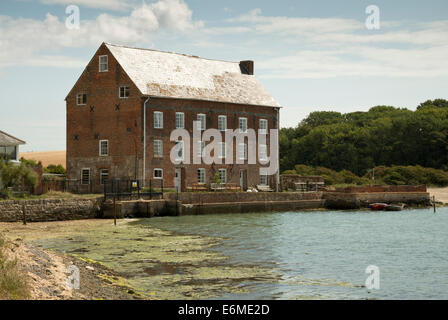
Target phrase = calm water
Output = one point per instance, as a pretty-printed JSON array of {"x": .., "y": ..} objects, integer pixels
[{"x": 325, "y": 254}]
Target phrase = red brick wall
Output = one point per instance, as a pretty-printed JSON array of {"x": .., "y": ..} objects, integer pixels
[
  {"x": 372, "y": 189},
  {"x": 123, "y": 128}
]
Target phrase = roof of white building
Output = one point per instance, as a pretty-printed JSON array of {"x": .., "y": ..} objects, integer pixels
[
  {"x": 7, "y": 140},
  {"x": 174, "y": 75}
]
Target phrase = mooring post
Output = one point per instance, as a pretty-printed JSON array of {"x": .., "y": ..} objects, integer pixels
[
  {"x": 434, "y": 203},
  {"x": 24, "y": 213}
]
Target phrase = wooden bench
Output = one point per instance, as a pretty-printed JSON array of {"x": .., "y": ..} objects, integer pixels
[{"x": 197, "y": 187}]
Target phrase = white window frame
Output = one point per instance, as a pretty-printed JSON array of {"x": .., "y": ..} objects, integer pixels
[
  {"x": 222, "y": 150},
  {"x": 177, "y": 152},
  {"x": 242, "y": 151},
  {"x": 243, "y": 130},
  {"x": 202, "y": 121},
  {"x": 103, "y": 63},
  {"x": 263, "y": 152},
  {"x": 220, "y": 122},
  {"x": 265, "y": 176},
  {"x": 200, "y": 148},
  {"x": 225, "y": 175},
  {"x": 260, "y": 128},
  {"x": 82, "y": 175},
  {"x": 77, "y": 99},
  {"x": 158, "y": 148},
  {"x": 158, "y": 122},
  {"x": 154, "y": 173},
  {"x": 102, "y": 175},
  {"x": 101, "y": 148},
  {"x": 126, "y": 90},
  {"x": 180, "y": 124},
  {"x": 201, "y": 175}
]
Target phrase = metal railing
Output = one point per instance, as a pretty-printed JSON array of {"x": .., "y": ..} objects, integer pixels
[{"x": 132, "y": 189}]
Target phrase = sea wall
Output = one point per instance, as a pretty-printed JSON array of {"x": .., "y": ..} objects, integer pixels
[
  {"x": 141, "y": 209},
  {"x": 233, "y": 197},
  {"x": 340, "y": 200},
  {"x": 49, "y": 210}
]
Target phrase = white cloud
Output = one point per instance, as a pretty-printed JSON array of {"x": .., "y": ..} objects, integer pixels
[
  {"x": 32, "y": 42},
  {"x": 336, "y": 47},
  {"x": 97, "y": 4},
  {"x": 369, "y": 62}
]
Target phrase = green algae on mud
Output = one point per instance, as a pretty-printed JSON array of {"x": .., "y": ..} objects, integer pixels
[{"x": 156, "y": 264}]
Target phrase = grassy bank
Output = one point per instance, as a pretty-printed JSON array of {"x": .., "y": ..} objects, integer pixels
[{"x": 12, "y": 281}]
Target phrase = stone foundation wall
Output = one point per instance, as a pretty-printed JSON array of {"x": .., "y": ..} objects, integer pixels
[
  {"x": 49, "y": 210},
  {"x": 232, "y": 197},
  {"x": 340, "y": 200}
]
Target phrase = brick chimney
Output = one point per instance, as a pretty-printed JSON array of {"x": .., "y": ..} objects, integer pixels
[{"x": 247, "y": 67}]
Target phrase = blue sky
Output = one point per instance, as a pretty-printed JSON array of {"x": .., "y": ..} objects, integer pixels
[{"x": 310, "y": 55}]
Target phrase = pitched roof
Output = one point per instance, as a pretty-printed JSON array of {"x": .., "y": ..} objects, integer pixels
[
  {"x": 174, "y": 75},
  {"x": 7, "y": 140}
]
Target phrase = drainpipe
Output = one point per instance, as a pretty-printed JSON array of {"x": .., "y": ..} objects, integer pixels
[
  {"x": 277, "y": 187},
  {"x": 144, "y": 143}
]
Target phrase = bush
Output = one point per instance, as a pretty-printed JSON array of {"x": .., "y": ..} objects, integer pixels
[
  {"x": 55, "y": 169},
  {"x": 395, "y": 175},
  {"x": 17, "y": 176}
]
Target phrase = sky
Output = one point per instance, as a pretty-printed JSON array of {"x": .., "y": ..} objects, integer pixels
[{"x": 310, "y": 55}]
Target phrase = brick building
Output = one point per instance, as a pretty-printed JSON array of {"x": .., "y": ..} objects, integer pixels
[{"x": 126, "y": 103}]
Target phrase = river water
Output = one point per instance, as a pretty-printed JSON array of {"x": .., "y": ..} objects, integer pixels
[{"x": 305, "y": 255}]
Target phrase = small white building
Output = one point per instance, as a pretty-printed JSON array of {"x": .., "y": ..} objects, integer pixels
[{"x": 9, "y": 147}]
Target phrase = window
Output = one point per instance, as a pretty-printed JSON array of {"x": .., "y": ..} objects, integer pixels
[
  {"x": 201, "y": 148},
  {"x": 222, "y": 123},
  {"x": 222, "y": 150},
  {"x": 104, "y": 175},
  {"x": 124, "y": 92},
  {"x": 243, "y": 124},
  {"x": 158, "y": 120},
  {"x": 104, "y": 148},
  {"x": 85, "y": 176},
  {"x": 223, "y": 175},
  {"x": 242, "y": 151},
  {"x": 201, "y": 175},
  {"x": 179, "y": 150},
  {"x": 103, "y": 63},
  {"x": 263, "y": 127},
  {"x": 264, "y": 180},
  {"x": 8, "y": 153},
  {"x": 158, "y": 148},
  {"x": 81, "y": 99},
  {"x": 180, "y": 120},
  {"x": 201, "y": 119},
  {"x": 158, "y": 173},
  {"x": 263, "y": 152}
]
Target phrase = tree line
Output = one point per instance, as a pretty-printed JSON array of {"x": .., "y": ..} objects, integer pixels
[{"x": 359, "y": 141}]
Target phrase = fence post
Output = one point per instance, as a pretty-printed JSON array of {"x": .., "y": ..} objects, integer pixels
[
  {"x": 138, "y": 188},
  {"x": 115, "y": 211},
  {"x": 162, "y": 187},
  {"x": 150, "y": 189},
  {"x": 118, "y": 189}
]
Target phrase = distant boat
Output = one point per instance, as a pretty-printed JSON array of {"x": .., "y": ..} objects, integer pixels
[
  {"x": 394, "y": 207},
  {"x": 378, "y": 206}
]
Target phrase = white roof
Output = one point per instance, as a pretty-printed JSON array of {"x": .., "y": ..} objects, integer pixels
[
  {"x": 7, "y": 140},
  {"x": 173, "y": 75}
]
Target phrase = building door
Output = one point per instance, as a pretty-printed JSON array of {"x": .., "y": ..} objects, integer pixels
[
  {"x": 177, "y": 179},
  {"x": 243, "y": 180}
]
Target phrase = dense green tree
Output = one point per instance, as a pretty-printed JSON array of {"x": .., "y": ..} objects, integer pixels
[{"x": 358, "y": 141}]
